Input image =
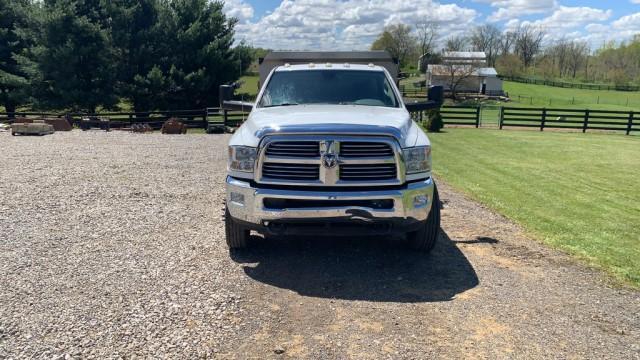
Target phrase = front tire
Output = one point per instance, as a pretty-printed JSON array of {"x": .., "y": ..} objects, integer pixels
[
  {"x": 237, "y": 235},
  {"x": 424, "y": 239}
]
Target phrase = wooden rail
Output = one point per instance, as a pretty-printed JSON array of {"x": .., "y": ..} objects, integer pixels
[{"x": 545, "y": 118}]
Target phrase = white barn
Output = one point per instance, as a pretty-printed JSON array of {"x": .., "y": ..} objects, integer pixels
[{"x": 479, "y": 78}]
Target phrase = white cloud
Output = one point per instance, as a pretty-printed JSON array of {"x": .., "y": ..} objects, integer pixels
[
  {"x": 565, "y": 17},
  {"x": 511, "y": 9},
  {"x": 348, "y": 24},
  {"x": 238, "y": 9}
]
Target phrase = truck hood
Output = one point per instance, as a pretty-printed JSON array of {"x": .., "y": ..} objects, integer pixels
[{"x": 328, "y": 119}]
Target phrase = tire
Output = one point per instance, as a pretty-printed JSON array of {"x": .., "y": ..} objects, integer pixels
[
  {"x": 237, "y": 235},
  {"x": 14, "y": 133},
  {"x": 424, "y": 239}
]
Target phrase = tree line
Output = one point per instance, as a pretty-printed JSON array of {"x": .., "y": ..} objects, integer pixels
[
  {"x": 523, "y": 51},
  {"x": 82, "y": 55}
]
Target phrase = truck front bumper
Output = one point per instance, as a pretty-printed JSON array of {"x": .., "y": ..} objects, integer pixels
[{"x": 397, "y": 209}]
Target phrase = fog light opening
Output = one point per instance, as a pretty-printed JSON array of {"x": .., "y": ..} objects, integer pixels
[
  {"x": 420, "y": 201},
  {"x": 237, "y": 198}
]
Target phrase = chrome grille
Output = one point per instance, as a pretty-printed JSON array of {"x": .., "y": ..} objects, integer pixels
[
  {"x": 353, "y": 149},
  {"x": 329, "y": 160},
  {"x": 294, "y": 149},
  {"x": 288, "y": 171},
  {"x": 367, "y": 172}
]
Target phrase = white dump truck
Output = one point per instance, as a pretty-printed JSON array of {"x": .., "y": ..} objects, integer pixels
[{"x": 330, "y": 149}]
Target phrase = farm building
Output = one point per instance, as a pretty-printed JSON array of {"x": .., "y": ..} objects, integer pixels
[{"x": 470, "y": 68}]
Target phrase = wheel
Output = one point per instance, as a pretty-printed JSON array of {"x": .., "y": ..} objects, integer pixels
[
  {"x": 424, "y": 239},
  {"x": 237, "y": 235},
  {"x": 14, "y": 133}
]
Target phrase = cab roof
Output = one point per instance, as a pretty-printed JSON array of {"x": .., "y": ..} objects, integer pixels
[{"x": 328, "y": 66}]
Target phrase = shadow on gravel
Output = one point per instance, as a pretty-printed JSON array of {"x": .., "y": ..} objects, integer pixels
[{"x": 370, "y": 269}]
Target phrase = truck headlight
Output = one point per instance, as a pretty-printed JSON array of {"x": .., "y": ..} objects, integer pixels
[
  {"x": 242, "y": 158},
  {"x": 417, "y": 159}
]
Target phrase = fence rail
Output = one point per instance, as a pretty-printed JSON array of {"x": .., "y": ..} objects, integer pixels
[
  {"x": 511, "y": 117},
  {"x": 627, "y": 121},
  {"x": 461, "y": 115},
  {"x": 199, "y": 118},
  {"x": 564, "y": 84}
]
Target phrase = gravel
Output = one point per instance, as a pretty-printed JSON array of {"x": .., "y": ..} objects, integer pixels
[{"x": 112, "y": 245}]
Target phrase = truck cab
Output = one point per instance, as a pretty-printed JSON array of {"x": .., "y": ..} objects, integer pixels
[{"x": 330, "y": 149}]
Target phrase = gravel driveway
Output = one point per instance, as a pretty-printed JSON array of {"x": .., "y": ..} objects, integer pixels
[{"x": 112, "y": 245}]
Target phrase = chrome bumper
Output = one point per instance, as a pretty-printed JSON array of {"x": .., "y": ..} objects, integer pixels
[{"x": 245, "y": 203}]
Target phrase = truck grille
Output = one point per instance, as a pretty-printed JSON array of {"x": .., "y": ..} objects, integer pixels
[
  {"x": 301, "y": 172},
  {"x": 325, "y": 160},
  {"x": 298, "y": 149},
  {"x": 353, "y": 149},
  {"x": 367, "y": 172}
]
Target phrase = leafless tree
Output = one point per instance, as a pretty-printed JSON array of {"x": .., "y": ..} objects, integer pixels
[
  {"x": 456, "y": 43},
  {"x": 528, "y": 43},
  {"x": 427, "y": 32},
  {"x": 507, "y": 43},
  {"x": 457, "y": 74},
  {"x": 579, "y": 54},
  {"x": 487, "y": 38}
]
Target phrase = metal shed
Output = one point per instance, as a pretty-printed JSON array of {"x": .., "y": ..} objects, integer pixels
[{"x": 277, "y": 58}]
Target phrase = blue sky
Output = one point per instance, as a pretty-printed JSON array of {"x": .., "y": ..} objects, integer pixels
[{"x": 354, "y": 24}]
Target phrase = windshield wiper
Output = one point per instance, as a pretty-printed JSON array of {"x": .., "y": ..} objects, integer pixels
[{"x": 283, "y": 104}]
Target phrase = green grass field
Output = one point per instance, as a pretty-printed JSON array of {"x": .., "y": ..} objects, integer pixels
[
  {"x": 530, "y": 95},
  {"x": 577, "y": 192},
  {"x": 249, "y": 86}
]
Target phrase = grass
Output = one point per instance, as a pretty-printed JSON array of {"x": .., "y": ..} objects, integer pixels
[
  {"x": 531, "y": 95},
  {"x": 249, "y": 86},
  {"x": 577, "y": 192}
]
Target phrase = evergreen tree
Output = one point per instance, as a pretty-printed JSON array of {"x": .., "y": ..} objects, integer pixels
[
  {"x": 201, "y": 56},
  {"x": 76, "y": 58},
  {"x": 140, "y": 43},
  {"x": 14, "y": 70}
]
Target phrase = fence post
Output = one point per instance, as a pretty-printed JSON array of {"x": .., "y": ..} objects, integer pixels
[
  {"x": 501, "y": 116},
  {"x": 630, "y": 122},
  {"x": 544, "y": 119},
  {"x": 224, "y": 117},
  {"x": 586, "y": 121},
  {"x": 205, "y": 121},
  {"x": 478, "y": 117},
  {"x": 130, "y": 120}
]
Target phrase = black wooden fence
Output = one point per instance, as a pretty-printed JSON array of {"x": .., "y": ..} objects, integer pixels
[
  {"x": 461, "y": 115},
  {"x": 540, "y": 118},
  {"x": 584, "y": 120},
  {"x": 199, "y": 118}
]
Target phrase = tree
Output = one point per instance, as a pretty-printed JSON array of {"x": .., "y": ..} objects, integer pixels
[
  {"x": 509, "y": 65},
  {"x": 140, "y": 43},
  {"x": 245, "y": 55},
  {"x": 579, "y": 53},
  {"x": 487, "y": 38},
  {"x": 457, "y": 74},
  {"x": 398, "y": 41},
  {"x": 75, "y": 56},
  {"x": 427, "y": 33},
  {"x": 528, "y": 43},
  {"x": 14, "y": 71},
  {"x": 201, "y": 58},
  {"x": 456, "y": 43}
]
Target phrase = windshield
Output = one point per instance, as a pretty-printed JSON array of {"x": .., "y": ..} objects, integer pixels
[{"x": 336, "y": 87}]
